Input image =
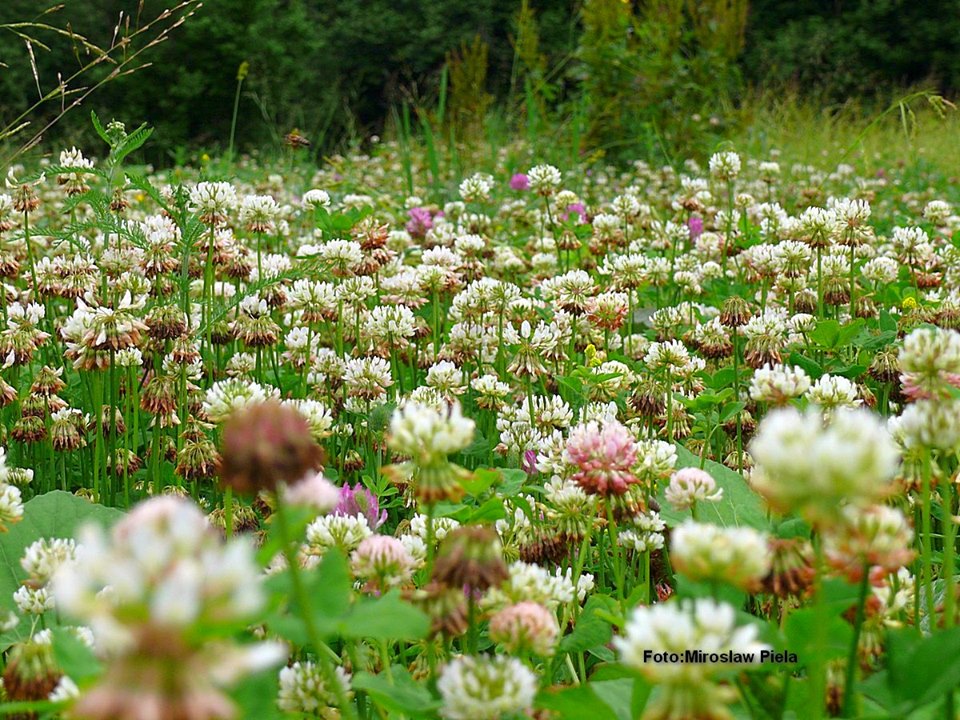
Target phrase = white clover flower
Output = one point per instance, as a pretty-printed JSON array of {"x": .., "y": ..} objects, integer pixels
[
  {"x": 531, "y": 582},
  {"x": 11, "y": 505},
  {"x": 937, "y": 211},
  {"x": 213, "y": 201},
  {"x": 803, "y": 465},
  {"x": 344, "y": 532},
  {"x": 725, "y": 165},
  {"x": 778, "y": 384},
  {"x": 164, "y": 561},
  {"x": 689, "y": 486},
  {"x": 701, "y": 625},
  {"x": 65, "y": 691},
  {"x": 427, "y": 435},
  {"x": 736, "y": 556},
  {"x": 476, "y": 188},
  {"x": 33, "y": 601},
  {"x": 259, "y": 212},
  {"x": 227, "y": 396},
  {"x": 382, "y": 560},
  {"x": 833, "y": 391},
  {"x": 303, "y": 689},
  {"x": 544, "y": 179},
  {"x": 317, "y": 415},
  {"x": 446, "y": 377},
  {"x": 441, "y": 527},
  {"x": 485, "y": 688},
  {"x": 656, "y": 460},
  {"x": 314, "y": 199},
  {"x": 43, "y": 557},
  {"x": 928, "y": 423},
  {"x": 645, "y": 534}
]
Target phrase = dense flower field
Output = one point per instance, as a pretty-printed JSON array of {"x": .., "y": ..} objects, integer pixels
[{"x": 545, "y": 442}]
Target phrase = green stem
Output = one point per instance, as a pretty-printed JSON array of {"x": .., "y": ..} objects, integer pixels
[
  {"x": 304, "y": 605},
  {"x": 849, "y": 695}
]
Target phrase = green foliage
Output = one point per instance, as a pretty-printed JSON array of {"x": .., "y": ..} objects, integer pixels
[
  {"x": 739, "y": 507},
  {"x": 851, "y": 49},
  {"x": 55, "y": 514}
]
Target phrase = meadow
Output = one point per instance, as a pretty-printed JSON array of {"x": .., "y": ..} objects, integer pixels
[{"x": 480, "y": 430}]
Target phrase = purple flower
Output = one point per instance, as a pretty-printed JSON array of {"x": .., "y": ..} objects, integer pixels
[
  {"x": 530, "y": 462},
  {"x": 420, "y": 221},
  {"x": 577, "y": 209},
  {"x": 357, "y": 500},
  {"x": 519, "y": 182},
  {"x": 695, "y": 223}
]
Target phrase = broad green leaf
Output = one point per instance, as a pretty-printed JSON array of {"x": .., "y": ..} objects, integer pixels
[
  {"x": 580, "y": 701},
  {"x": 739, "y": 507},
  {"x": 811, "y": 367},
  {"x": 73, "y": 656},
  {"x": 850, "y": 331},
  {"x": 826, "y": 333},
  {"x": 513, "y": 481},
  {"x": 592, "y": 628},
  {"x": 54, "y": 514},
  {"x": 922, "y": 670},
  {"x": 809, "y": 640},
  {"x": 618, "y": 695},
  {"x": 490, "y": 511},
  {"x": 329, "y": 585},
  {"x": 257, "y": 696},
  {"x": 480, "y": 481},
  {"x": 385, "y": 618},
  {"x": 401, "y": 694}
]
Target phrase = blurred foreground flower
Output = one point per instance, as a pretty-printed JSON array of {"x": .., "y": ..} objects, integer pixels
[{"x": 164, "y": 596}]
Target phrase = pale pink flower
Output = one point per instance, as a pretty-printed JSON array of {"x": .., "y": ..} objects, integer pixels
[{"x": 603, "y": 457}]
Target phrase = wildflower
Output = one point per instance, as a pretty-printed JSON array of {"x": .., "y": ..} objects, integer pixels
[
  {"x": 485, "y": 688},
  {"x": 644, "y": 533},
  {"x": 315, "y": 492},
  {"x": 213, "y": 201},
  {"x": 603, "y": 458},
  {"x": 544, "y": 180},
  {"x": 869, "y": 539},
  {"x": 833, "y": 391},
  {"x": 470, "y": 557},
  {"x": 344, "y": 532},
  {"x": 229, "y": 396},
  {"x": 169, "y": 575},
  {"x": 476, "y": 188},
  {"x": 930, "y": 363},
  {"x": 259, "y": 212},
  {"x": 928, "y": 423},
  {"x": 315, "y": 199},
  {"x": 519, "y": 181},
  {"x": 736, "y": 556},
  {"x": 77, "y": 166},
  {"x": 527, "y": 581},
  {"x": 358, "y": 500},
  {"x": 778, "y": 384},
  {"x": 791, "y": 567},
  {"x": 689, "y": 486},
  {"x": 428, "y": 436},
  {"x": 805, "y": 466},
  {"x": 31, "y": 672},
  {"x": 725, "y": 165},
  {"x": 526, "y": 626},
  {"x": 265, "y": 444},
  {"x": 367, "y": 378},
  {"x": 383, "y": 561},
  {"x": 687, "y": 689},
  {"x": 305, "y": 690}
]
